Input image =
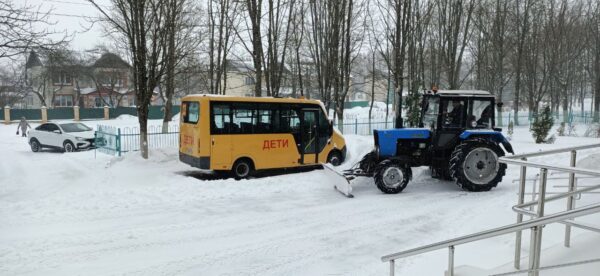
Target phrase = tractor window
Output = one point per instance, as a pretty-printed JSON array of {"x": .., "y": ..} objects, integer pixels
[
  {"x": 453, "y": 112},
  {"x": 481, "y": 115},
  {"x": 430, "y": 114}
]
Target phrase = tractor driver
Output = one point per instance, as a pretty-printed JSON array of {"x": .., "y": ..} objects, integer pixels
[{"x": 455, "y": 116}]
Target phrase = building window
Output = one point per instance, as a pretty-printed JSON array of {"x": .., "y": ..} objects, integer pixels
[
  {"x": 62, "y": 79},
  {"x": 112, "y": 81},
  {"x": 102, "y": 101},
  {"x": 63, "y": 100},
  {"x": 249, "y": 81}
]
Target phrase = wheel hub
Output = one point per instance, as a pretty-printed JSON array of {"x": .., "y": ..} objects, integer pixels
[
  {"x": 393, "y": 177},
  {"x": 481, "y": 166},
  {"x": 242, "y": 170}
]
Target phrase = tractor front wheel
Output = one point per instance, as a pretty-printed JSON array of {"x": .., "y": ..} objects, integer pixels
[
  {"x": 474, "y": 165},
  {"x": 392, "y": 177}
]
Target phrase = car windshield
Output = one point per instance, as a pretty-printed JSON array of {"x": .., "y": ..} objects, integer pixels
[{"x": 74, "y": 127}]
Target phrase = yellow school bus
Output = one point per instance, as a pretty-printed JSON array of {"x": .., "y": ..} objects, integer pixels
[{"x": 244, "y": 134}]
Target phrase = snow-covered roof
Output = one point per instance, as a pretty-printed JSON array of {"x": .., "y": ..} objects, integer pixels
[{"x": 89, "y": 90}]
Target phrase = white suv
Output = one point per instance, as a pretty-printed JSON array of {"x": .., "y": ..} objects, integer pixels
[{"x": 67, "y": 136}]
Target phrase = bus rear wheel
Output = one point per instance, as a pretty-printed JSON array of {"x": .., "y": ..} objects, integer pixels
[{"x": 242, "y": 168}]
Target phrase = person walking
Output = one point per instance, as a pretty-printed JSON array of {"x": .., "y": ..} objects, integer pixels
[{"x": 23, "y": 125}]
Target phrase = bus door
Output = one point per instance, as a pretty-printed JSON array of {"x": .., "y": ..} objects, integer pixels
[
  {"x": 220, "y": 136},
  {"x": 309, "y": 136}
]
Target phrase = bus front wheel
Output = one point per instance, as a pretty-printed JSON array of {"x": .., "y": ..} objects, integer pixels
[
  {"x": 242, "y": 168},
  {"x": 335, "y": 158}
]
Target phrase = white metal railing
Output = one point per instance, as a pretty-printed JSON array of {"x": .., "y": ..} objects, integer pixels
[{"x": 536, "y": 224}]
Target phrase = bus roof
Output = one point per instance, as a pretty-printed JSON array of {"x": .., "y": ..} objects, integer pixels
[{"x": 248, "y": 99}]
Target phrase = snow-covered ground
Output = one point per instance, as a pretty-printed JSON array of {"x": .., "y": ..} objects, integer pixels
[{"x": 87, "y": 213}]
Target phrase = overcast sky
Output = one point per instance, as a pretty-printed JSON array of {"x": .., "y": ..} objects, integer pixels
[{"x": 73, "y": 17}]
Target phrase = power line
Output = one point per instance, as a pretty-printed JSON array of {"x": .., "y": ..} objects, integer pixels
[
  {"x": 76, "y": 3},
  {"x": 73, "y": 15}
]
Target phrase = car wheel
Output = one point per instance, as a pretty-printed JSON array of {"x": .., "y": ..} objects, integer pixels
[
  {"x": 35, "y": 145},
  {"x": 68, "y": 146}
]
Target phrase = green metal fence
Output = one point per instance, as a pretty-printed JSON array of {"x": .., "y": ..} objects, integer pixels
[
  {"x": 527, "y": 118},
  {"x": 357, "y": 103},
  {"x": 30, "y": 114},
  {"x": 60, "y": 113},
  {"x": 90, "y": 113},
  {"x": 118, "y": 111},
  {"x": 108, "y": 140},
  {"x": 117, "y": 141},
  {"x": 157, "y": 111},
  {"x": 67, "y": 113}
]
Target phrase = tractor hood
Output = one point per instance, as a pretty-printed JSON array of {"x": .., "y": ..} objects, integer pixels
[{"x": 387, "y": 140}]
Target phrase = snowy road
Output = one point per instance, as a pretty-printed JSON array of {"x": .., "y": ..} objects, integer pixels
[{"x": 81, "y": 214}]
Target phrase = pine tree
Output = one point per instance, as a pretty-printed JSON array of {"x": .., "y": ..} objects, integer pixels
[
  {"x": 413, "y": 104},
  {"x": 541, "y": 125}
]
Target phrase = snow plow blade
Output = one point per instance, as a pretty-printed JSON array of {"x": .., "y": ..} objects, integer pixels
[{"x": 340, "y": 182}]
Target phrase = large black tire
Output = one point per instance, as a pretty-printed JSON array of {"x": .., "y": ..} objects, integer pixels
[
  {"x": 474, "y": 165},
  {"x": 242, "y": 168},
  {"x": 35, "y": 145},
  {"x": 392, "y": 177}
]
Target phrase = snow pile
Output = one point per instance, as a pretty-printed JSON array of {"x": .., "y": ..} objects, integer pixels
[
  {"x": 591, "y": 162},
  {"x": 175, "y": 117},
  {"x": 126, "y": 117},
  {"x": 93, "y": 214}
]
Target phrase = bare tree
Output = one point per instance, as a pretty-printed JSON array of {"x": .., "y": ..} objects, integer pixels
[
  {"x": 23, "y": 28},
  {"x": 254, "y": 9},
  {"x": 142, "y": 24},
  {"x": 454, "y": 30},
  {"x": 182, "y": 39},
  {"x": 12, "y": 86},
  {"x": 278, "y": 38},
  {"x": 222, "y": 18},
  {"x": 594, "y": 28},
  {"x": 397, "y": 21}
]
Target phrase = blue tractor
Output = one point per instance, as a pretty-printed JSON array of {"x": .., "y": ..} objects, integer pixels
[{"x": 456, "y": 138}]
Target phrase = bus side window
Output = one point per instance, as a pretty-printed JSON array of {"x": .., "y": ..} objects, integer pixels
[
  {"x": 244, "y": 118},
  {"x": 290, "y": 121},
  {"x": 221, "y": 122},
  {"x": 190, "y": 112},
  {"x": 265, "y": 123}
]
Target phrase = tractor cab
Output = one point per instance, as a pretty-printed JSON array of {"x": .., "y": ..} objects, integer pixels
[{"x": 457, "y": 110}]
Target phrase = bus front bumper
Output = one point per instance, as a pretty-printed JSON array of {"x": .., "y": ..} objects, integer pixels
[{"x": 196, "y": 162}]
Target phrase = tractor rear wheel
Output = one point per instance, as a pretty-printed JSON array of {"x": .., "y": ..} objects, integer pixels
[
  {"x": 392, "y": 177},
  {"x": 475, "y": 167}
]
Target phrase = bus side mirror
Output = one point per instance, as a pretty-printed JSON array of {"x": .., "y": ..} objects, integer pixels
[{"x": 330, "y": 130}]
